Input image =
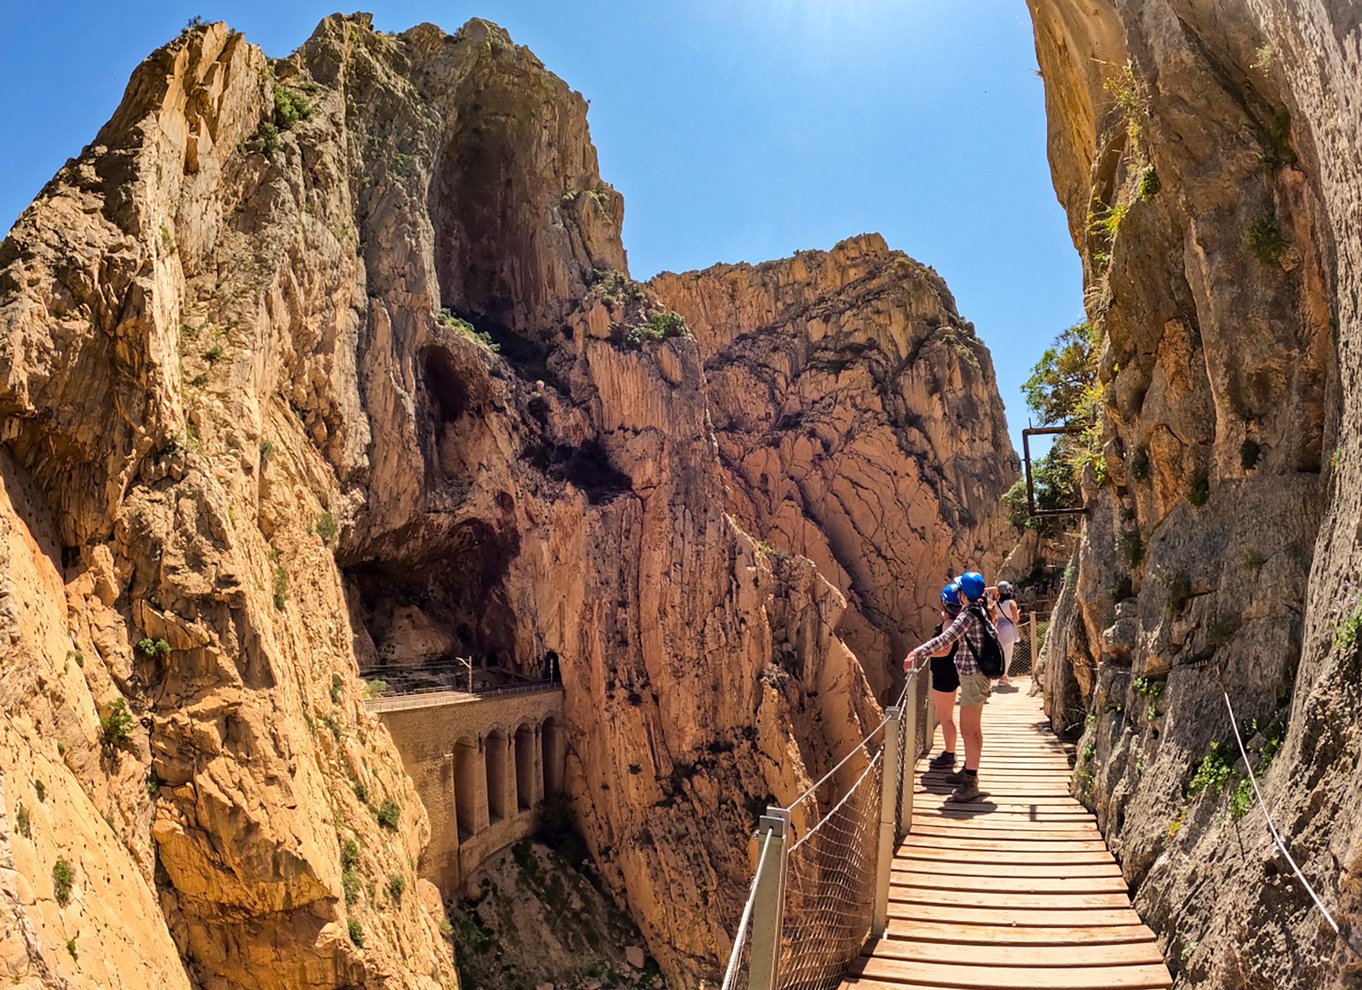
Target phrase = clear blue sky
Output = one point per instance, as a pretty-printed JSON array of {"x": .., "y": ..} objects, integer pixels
[{"x": 737, "y": 130}]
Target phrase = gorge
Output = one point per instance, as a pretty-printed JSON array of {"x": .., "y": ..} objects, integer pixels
[{"x": 329, "y": 368}]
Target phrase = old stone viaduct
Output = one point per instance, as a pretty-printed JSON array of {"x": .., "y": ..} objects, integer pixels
[{"x": 483, "y": 765}]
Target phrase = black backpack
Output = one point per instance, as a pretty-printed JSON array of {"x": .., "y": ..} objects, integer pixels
[{"x": 989, "y": 658}]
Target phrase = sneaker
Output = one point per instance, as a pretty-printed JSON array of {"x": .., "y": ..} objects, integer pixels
[
  {"x": 958, "y": 777},
  {"x": 967, "y": 791},
  {"x": 946, "y": 761}
]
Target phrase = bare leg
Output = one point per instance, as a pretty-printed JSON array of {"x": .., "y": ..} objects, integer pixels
[
  {"x": 971, "y": 727},
  {"x": 944, "y": 702}
]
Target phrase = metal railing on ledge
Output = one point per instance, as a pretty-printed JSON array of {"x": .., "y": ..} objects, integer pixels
[
  {"x": 427, "y": 697},
  {"x": 816, "y": 897},
  {"x": 445, "y": 683}
]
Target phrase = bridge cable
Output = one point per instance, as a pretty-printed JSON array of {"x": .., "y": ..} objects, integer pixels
[
  {"x": 1277, "y": 836},
  {"x": 740, "y": 937}
]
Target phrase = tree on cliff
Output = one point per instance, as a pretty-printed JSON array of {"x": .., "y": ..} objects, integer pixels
[{"x": 1062, "y": 390}]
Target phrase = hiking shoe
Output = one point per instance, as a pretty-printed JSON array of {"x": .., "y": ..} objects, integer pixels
[
  {"x": 968, "y": 791},
  {"x": 945, "y": 761},
  {"x": 957, "y": 777}
]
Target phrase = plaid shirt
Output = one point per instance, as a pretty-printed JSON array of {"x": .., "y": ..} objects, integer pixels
[{"x": 967, "y": 629}]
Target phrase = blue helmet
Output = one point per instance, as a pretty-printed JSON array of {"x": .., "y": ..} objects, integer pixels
[
  {"x": 971, "y": 585},
  {"x": 950, "y": 593}
]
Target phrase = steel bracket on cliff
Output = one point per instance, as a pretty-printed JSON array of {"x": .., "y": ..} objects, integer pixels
[{"x": 1044, "y": 431}]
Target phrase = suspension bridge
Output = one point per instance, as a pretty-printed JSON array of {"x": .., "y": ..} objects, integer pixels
[{"x": 871, "y": 880}]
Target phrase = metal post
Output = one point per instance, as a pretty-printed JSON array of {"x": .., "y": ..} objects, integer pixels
[
  {"x": 768, "y": 906},
  {"x": 884, "y": 859},
  {"x": 908, "y": 760}
]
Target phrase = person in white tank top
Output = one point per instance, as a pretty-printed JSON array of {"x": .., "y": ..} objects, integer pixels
[{"x": 1007, "y": 618}]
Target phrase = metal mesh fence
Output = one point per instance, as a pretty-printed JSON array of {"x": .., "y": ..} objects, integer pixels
[
  {"x": 1028, "y": 644},
  {"x": 830, "y": 888}
]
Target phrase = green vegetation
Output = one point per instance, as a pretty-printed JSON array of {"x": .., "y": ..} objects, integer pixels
[
  {"x": 1109, "y": 222},
  {"x": 1175, "y": 826},
  {"x": 280, "y": 586},
  {"x": 1141, "y": 468},
  {"x": 658, "y": 326},
  {"x": 1264, "y": 238},
  {"x": 1277, "y": 138},
  {"x": 62, "y": 879},
  {"x": 1253, "y": 560},
  {"x": 1213, "y": 773},
  {"x": 327, "y": 528},
  {"x": 1130, "y": 101},
  {"x": 356, "y": 931},
  {"x": 1089, "y": 751},
  {"x": 1200, "y": 491},
  {"x": 396, "y": 885},
  {"x": 376, "y": 688},
  {"x": 446, "y": 318},
  {"x": 361, "y": 792},
  {"x": 290, "y": 107},
  {"x": 77, "y": 657},
  {"x": 771, "y": 551},
  {"x": 388, "y": 814},
  {"x": 1250, "y": 452},
  {"x": 116, "y": 727},
  {"x": 1149, "y": 183},
  {"x": 350, "y": 886},
  {"x": 1241, "y": 799},
  {"x": 40, "y": 789},
  {"x": 71, "y": 947},
  {"x": 22, "y": 822},
  {"x": 266, "y": 453},
  {"x": 336, "y": 684},
  {"x": 153, "y": 647},
  {"x": 1179, "y": 588}
]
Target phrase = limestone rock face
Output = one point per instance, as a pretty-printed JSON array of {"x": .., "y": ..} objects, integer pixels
[
  {"x": 859, "y": 425},
  {"x": 334, "y": 361},
  {"x": 1209, "y": 158}
]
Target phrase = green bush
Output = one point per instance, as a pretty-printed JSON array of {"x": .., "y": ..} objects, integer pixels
[
  {"x": 1241, "y": 799},
  {"x": 1149, "y": 183},
  {"x": 1089, "y": 751},
  {"x": 356, "y": 931},
  {"x": 22, "y": 822},
  {"x": 1141, "y": 468},
  {"x": 376, "y": 688},
  {"x": 116, "y": 727},
  {"x": 1200, "y": 491},
  {"x": 350, "y": 886},
  {"x": 1213, "y": 773},
  {"x": 349, "y": 855},
  {"x": 446, "y": 318},
  {"x": 361, "y": 792},
  {"x": 1179, "y": 587},
  {"x": 657, "y": 327},
  {"x": 71, "y": 948},
  {"x": 336, "y": 684},
  {"x": 327, "y": 528},
  {"x": 1131, "y": 547},
  {"x": 280, "y": 586},
  {"x": 388, "y": 814},
  {"x": 290, "y": 107},
  {"x": 1250, "y": 452},
  {"x": 153, "y": 647},
  {"x": 40, "y": 789},
  {"x": 62, "y": 879},
  {"x": 396, "y": 885},
  {"x": 1264, "y": 238}
]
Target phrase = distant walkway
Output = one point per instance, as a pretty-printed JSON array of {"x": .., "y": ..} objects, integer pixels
[{"x": 1014, "y": 892}]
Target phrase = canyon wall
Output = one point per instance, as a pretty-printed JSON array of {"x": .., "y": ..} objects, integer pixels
[
  {"x": 314, "y": 363},
  {"x": 1208, "y": 156},
  {"x": 859, "y": 425}
]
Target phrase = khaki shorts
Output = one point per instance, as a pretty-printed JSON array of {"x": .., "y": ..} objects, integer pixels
[{"x": 974, "y": 689}]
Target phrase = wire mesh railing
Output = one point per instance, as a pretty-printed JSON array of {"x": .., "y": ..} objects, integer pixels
[
  {"x": 1030, "y": 638},
  {"x": 817, "y": 895}
]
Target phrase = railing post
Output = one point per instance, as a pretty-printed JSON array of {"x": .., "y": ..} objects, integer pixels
[
  {"x": 768, "y": 906},
  {"x": 884, "y": 860},
  {"x": 908, "y": 761},
  {"x": 1034, "y": 657}
]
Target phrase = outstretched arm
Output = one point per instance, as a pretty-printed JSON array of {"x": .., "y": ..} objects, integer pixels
[{"x": 948, "y": 638}]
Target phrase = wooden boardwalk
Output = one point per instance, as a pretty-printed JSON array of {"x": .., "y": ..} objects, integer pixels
[{"x": 1014, "y": 892}]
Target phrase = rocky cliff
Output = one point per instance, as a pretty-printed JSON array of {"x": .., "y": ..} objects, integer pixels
[
  {"x": 313, "y": 363},
  {"x": 859, "y": 425},
  {"x": 1208, "y": 156}
]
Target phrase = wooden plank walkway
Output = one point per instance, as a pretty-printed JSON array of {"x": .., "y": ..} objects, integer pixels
[{"x": 1014, "y": 892}]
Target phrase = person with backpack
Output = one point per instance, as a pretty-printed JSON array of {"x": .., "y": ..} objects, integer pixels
[
  {"x": 980, "y": 660},
  {"x": 946, "y": 681},
  {"x": 1008, "y": 624}
]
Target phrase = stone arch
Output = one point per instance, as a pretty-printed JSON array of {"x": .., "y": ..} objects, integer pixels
[
  {"x": 553, "y": 757},
  {"x": 470, "y": 787},
  {"x": 525, "y": 776},
  {"x": 498, "y": 773}
]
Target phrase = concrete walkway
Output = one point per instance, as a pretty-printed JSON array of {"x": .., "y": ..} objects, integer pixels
[{"x": 1014, "y": 892}]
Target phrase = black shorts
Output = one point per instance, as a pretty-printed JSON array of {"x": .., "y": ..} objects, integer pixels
[{"x": 944, "y": 675}]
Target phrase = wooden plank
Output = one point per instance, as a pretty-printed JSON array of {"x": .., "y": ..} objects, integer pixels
[
  {"x": 920, "y": 880},
  {"x": 956, "y": 934},
  {"x": 912, "y": 851},
  {"x": 954, "y": 914},
  {"x": 1003, "y": 866},
  {"x": 956, "y": 840},
  {"x": 981, "y": 899},
  {"x": 868, "y": 972},
  {"x": 1041, "y": 954}
]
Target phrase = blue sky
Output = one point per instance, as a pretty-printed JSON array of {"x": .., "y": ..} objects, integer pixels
[{"x": 737, "y": 130}]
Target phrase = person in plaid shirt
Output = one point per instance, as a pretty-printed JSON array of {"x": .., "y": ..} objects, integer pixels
[{"x": 967, "y": 631}]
